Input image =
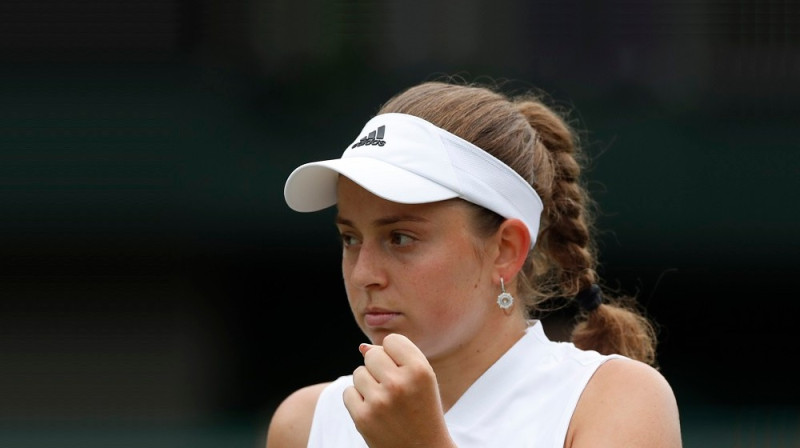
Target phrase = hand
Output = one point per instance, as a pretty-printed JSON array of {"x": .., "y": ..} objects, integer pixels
[{"x": 394, "y": 400}]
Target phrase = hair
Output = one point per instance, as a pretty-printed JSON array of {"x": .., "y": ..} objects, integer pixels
[{"x": 536, "y": 139}]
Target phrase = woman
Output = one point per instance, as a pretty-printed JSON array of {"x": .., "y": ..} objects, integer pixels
[{"x": 462, "y": 215}]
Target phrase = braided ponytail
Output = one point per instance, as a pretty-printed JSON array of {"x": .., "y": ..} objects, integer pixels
[{"x": 616, "y": 325}]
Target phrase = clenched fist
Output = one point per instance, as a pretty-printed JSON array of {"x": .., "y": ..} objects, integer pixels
[{"x": 394, "y": 400}]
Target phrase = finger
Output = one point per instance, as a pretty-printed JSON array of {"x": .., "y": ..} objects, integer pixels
[
  {"x": 364, "y": 348},
  {"x": 401, "y": 350},
  {"x": 352, "y": 399},
  {"x": 380, "y": 365},
  {"x": 363, "y": 381}
]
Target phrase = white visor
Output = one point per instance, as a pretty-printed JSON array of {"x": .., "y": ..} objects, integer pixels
[{"x": 405, "y": 159}]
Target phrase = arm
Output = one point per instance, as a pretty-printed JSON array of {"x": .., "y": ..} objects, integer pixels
[
  {"x": 291, "y": 423},
  {"x": 626, "y": 403}
]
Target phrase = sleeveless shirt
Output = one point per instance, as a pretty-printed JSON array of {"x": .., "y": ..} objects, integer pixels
[{"x": 525, "y": 399}]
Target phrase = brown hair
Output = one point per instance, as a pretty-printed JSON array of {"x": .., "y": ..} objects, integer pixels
[{"x": 536, "y": 140}]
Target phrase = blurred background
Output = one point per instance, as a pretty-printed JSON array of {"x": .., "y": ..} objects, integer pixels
[{"x": 155, "y": 290}]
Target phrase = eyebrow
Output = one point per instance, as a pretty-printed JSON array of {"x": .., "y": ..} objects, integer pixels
[{"x": 386, "y": 220}]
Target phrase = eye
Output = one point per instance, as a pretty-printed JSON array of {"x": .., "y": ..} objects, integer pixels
[
  {"x": 348, "y": 239},
  {"x": 401, "y": 239}
]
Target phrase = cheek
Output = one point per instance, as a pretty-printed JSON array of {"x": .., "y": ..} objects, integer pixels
[
  {"x": 346, "y": 274},
  {"x": 345, "y": 268},
  {"x": 454, "y": 307},
  {"x": 449, "y": 285}
]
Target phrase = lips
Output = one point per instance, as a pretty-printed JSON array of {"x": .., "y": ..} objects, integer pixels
[{"x": 379, "y": 318}]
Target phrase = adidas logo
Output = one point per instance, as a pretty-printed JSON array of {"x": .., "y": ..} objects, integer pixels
[{"x": 374, "y": 138}]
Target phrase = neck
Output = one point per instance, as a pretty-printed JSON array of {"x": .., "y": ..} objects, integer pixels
[{"x": 457, "y": 371}]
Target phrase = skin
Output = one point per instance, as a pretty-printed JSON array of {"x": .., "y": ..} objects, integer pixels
[{"x": 434, "y": 327}]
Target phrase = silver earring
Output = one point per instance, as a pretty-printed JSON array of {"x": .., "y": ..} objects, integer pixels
[{"x": 504, "y": 300}]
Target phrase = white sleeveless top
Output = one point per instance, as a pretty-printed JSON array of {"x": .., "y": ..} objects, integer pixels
[{"x": 526, "y": 399}]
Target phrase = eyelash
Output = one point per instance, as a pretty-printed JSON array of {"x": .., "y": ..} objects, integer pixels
[
  {"x": 395, "y": 239},
  {"x": 346, "y": 239},
  {"x": 398, "y": 235}
]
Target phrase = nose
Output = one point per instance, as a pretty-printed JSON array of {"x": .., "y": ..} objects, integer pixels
[{"x": 365, "y": 269}]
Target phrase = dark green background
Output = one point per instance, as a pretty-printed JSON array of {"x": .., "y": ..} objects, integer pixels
[{"x": 155, "y": 290}]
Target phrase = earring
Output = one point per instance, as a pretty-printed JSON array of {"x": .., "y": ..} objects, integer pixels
[{"x": 504, "y": 300}]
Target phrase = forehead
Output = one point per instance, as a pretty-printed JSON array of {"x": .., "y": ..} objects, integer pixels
[{"x": 354, "y": 200}]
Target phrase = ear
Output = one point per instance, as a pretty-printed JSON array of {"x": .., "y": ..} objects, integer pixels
[{"x": 514, "y": 243}]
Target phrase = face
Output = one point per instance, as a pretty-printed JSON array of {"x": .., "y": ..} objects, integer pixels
[{"x": 414, "y": 269}]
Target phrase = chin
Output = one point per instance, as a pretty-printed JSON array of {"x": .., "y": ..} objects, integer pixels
[{"x": 376, "y": 336}]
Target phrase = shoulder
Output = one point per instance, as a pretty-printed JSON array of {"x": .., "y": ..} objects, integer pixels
[
  {"x": 291, "y": 422},
  {"x": 626, "y": 403}
]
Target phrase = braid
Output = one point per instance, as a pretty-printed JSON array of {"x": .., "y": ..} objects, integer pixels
[
  {"x": 566, "y": 223},
  {"x": 616, "y": 326}
]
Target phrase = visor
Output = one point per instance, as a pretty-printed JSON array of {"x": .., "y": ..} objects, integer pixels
[{"x": 405, "y": 159}]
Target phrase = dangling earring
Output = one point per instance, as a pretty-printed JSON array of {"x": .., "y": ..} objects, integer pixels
[{"x": 504, "y": 300}]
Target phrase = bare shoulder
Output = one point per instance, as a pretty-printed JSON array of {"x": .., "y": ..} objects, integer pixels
[
  {"x": 626, "y": 403},
  {"x": 290, "y": 424}
]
